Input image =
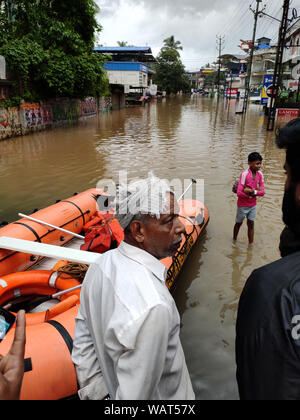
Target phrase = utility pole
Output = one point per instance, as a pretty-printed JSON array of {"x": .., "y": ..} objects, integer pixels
[
  {"x": 278, "y": 65},
  {"x": 256, "y": 12},
  {"x": 220, "y": 46}
]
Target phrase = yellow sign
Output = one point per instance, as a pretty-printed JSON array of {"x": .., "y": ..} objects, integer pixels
[{"x": 264, "y": 93}]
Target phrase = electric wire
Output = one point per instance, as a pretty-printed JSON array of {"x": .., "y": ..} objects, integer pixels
[
  {"x": 237, "y": 26},
  {"x": 234, "y": 18}
]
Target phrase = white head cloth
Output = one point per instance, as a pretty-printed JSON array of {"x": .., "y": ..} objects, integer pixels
[{"x": 147, "y": 196}]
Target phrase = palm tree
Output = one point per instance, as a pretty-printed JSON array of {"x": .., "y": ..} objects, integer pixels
[
  {"x": 171, "y": 43},
  {"x": 122, "y": 43}
]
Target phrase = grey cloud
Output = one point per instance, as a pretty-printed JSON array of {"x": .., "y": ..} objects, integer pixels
[
  {"x": 193, "y": 22},
  {"x": 171, "y": 7}
]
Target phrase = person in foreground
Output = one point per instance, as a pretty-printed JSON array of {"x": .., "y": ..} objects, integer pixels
[
  {"x": 250, "y": 186},
  {"x": 12, "y": 365},
  {"x": 127, "y": 331},
  {"x": 268, "y": 329}
]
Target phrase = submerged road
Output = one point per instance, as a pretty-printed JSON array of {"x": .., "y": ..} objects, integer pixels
[{"x": 176, "y": 138}]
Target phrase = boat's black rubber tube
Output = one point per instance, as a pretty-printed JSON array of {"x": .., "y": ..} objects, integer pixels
[
  {"x": 30, "y": 228},
  {"x": 74, "y": 204}
]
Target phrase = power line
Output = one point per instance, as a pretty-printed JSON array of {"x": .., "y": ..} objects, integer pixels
[
  {"x": 229, "y": 24},
  {"x": 269, "y": 21},
  {"x": 236, "y": 27}
]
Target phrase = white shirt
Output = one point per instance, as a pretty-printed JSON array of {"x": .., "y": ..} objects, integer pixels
[{"x": 127, "y": 331}]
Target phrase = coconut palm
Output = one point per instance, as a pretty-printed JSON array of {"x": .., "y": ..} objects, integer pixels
[
  {"x": 171, "y": 43},
  {"x": 122, "y": 43}
]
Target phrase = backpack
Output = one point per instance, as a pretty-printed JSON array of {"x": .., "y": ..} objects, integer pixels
[
  {"x": 103, "y": 232},
  {"x": 235, "y": 187}
]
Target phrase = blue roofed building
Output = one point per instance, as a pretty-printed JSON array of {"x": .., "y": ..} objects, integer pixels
[
  {"x": 127, "y": 73},
  {"x": 128, "y": 67}
]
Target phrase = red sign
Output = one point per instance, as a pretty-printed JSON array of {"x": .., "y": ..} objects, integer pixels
[
  {"x": 271, "y": 92},
  {"x": 232, "y": 93},
  {"x": 287, "y": 114}
]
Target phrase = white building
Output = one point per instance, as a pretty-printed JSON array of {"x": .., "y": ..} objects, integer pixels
[
  {"x": 291, "y": 56},
  {"x": 263, "y": 63},
  {"x": 127, "y": 73}
]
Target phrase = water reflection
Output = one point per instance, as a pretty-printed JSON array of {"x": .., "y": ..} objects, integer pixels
[
  {"x": 190, "y": 272},
  {"x": 242, "y": 266}
]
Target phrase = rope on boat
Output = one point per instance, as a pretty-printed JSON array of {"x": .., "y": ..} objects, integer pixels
[{"x": 75, "y": 270}]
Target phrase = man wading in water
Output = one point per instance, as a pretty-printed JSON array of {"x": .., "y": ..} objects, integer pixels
[{"x": 127, "y": 331}]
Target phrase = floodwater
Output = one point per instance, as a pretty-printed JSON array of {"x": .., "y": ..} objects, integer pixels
[{"x": 176, "y": 138}]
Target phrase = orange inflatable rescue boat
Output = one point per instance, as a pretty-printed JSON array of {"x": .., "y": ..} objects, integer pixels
[
  {"x": 49, "y": 371},
  {"x": 71, "y": 214}
]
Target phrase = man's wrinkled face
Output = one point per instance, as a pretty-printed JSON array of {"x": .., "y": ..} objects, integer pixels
[{"x": 162, "y": 237}]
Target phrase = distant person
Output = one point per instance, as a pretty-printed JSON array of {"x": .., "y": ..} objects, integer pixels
[
  {"x": 250, "y": 186},
  {"x": 127, "y": 340},
  {"x": 12, "y": 365},
  {"x": 268, "y": 329}
]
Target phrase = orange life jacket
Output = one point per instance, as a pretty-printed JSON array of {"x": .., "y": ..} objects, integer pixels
[{"x": 103, "y": 232}]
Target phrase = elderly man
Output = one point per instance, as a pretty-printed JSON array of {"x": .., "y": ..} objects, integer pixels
[
  {"x": 127, "y": 331},
  {"x": 268, "y": 339}
]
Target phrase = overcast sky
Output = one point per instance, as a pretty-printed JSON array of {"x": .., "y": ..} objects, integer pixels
[{"x": 196, "y": 23}]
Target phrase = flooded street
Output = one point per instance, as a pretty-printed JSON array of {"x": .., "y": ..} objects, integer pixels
[{"x": 176, "y": 138}]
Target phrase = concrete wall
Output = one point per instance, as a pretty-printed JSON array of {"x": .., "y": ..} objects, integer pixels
[{"x": 32, "y": 117}]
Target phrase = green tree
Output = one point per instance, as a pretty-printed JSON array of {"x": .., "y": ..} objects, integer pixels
[
  {"x": 48, "y": 45},
  {"x": 212, "y": 78},
  {"x": 170, "y": 43},
  {"x": 170, "y": 72}
]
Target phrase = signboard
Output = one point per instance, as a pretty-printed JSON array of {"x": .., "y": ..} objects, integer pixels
[
  {"x": 232, "y": 93},
  {"x": 207, "y": 71},
  {"x": 296, "y": 72},
  {"x": 284, "y": 115},
  {"x": 271, "y": 92},
  {"x": 153, "y": 89},
  {"x": 268, "y": 81},
  {"x": 242, "y": 93},
  {"x": 293, "y": 84}
]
